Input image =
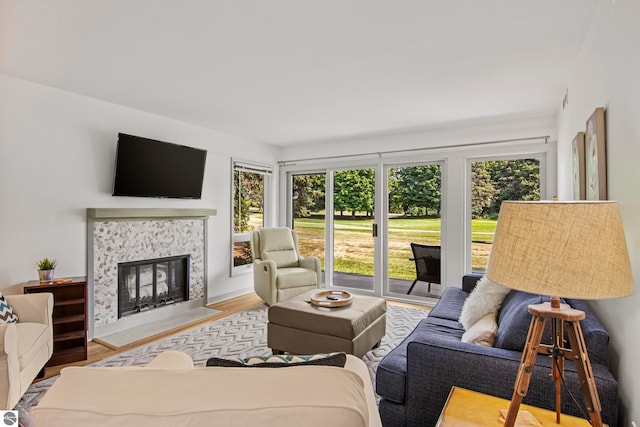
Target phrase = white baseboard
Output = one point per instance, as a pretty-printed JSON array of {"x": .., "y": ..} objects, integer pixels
[{"x": 229, "y": 295}]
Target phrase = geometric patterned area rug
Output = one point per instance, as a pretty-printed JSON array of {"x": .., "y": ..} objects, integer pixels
[{"x": 242, "y": 334}]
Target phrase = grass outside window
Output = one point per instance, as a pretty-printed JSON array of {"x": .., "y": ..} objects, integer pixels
[{"x": 354, "y": 237}]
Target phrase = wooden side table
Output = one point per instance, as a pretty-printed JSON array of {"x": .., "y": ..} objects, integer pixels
[
  {"x": 69, "y": 318},
  {"x": 466, "y": 408}
]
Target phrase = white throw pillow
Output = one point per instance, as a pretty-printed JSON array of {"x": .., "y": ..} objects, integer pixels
[
  {"x": 485, "y": 298},
  {"x": 483, "y": 332}
]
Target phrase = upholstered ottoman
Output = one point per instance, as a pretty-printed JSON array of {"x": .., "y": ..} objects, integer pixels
[{"x": 297, "y": 326}]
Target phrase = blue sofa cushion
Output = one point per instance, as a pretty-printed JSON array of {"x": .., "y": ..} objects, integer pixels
[
  {"x": 450, "y": 305},
  {"x": 514, "y": 320},
  {"x": 596, "y": 337},
  {"x": 391, "y": 375}
]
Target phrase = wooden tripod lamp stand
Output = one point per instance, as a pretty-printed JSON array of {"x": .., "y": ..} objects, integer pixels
[{"x": 560, "y": 249}]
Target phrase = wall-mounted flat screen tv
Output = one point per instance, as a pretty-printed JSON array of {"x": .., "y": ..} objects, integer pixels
[{"x": 149, "y": 168}]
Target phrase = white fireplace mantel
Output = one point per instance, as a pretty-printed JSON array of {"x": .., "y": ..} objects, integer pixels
[
  {"x": 116, "y": 235},
  {"x": 142, "y": 214}
]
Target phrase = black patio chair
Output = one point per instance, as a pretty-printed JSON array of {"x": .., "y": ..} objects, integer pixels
[{"x": 427, "y": 259}]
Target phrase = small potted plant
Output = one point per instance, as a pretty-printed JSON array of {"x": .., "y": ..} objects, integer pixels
[{"x": 45, "y": 269}]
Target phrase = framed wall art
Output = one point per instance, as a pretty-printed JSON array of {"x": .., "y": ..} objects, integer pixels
[
  {"x": 577, "y": 151},
  {"x": 595, "y": 157}
]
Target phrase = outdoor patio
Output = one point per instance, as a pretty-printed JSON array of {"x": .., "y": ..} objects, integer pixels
[{"x": 397, "y": 286}]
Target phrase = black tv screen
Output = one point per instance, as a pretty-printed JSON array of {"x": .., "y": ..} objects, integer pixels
[{"x": 149, "y": 168}]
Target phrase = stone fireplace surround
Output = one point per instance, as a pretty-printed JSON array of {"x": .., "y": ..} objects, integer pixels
[{"x": 123, "y": 235}]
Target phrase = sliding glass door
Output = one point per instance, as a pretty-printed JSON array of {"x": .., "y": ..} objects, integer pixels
[
  {"x": 413, "y": 231},
  {"x": 334, "y": 213},
  {"x": 352, "y": 217},
  {"x": 308, "y": 213}
]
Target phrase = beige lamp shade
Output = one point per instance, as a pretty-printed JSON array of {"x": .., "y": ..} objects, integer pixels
[{"x": 565, "y": 249}]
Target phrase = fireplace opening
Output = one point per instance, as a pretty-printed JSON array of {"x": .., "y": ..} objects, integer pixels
[{"x": 152, "y": 283}]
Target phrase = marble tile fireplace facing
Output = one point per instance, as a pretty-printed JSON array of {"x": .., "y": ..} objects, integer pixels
[{"x": 125, "y": 235}]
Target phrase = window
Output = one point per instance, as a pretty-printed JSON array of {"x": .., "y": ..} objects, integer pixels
[
  {"x": 250, "y": 189},
  {"x": 492, "y": 182},
  {"x": 308, "y": 213}
]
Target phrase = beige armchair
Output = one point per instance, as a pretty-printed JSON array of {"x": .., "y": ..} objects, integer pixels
[
  {"x": 25, "y": 346},
  {"x": 279, "y": 272}
]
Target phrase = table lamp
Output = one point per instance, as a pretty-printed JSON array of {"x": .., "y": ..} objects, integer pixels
[{"x": 563, "y": 250}]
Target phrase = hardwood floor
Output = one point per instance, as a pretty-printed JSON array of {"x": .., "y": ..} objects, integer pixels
[{"x": 98, "y": 351}]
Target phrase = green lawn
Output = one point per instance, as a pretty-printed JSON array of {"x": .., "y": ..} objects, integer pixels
[
  {"x": 354, "y": 244},
  {"x": 482, "y": 230}
]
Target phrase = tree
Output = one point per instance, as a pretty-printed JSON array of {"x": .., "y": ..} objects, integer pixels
[
  {"x": 248, "y": 189},
  {"x": 514, "y": 180},
  {"x": 354, "y": 190},
  {"x": 482, "y": 190},
  {"x": 241, "y": 204},
  {"x": 395, "y": 199},
  {"x": 308, "y": 194},
  {"x": 416, "y": 189}
]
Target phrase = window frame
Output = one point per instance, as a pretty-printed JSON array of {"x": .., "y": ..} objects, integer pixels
[
  {"x": 545, "y": 177},
  {"x": 267, "y": 171}
]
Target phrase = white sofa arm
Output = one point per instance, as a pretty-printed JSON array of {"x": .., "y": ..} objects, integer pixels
[
  {"x": 8, "y": 340},
  {"x": 264, "y": 280},
  {"x": 313, "y": 263},
  {"x": 9, "y": 365},
  {"x": 23, "y": 354},
  {"x": 34, "y": 308}
]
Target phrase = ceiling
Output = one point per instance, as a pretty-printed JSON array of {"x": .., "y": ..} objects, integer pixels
[{"x": 290, "y": 71}]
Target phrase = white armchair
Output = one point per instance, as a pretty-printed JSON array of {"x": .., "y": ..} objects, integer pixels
[
  {"x": 25, "y": 346},
  {"x": 279, "y": 272}
]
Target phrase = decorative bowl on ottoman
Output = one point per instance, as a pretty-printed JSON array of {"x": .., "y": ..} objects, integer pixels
[{"x": 331, "y": 298}]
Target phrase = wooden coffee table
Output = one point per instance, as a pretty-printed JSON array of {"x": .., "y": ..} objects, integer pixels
[{"x": 466, "y": 408}]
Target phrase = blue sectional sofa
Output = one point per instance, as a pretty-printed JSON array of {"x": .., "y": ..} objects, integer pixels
[{"x": 415, "y": 378}]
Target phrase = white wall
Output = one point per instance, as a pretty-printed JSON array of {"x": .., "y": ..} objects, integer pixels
[
  {"x": 57, "y": 156},
  {"x": 607, "y": 74}
]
